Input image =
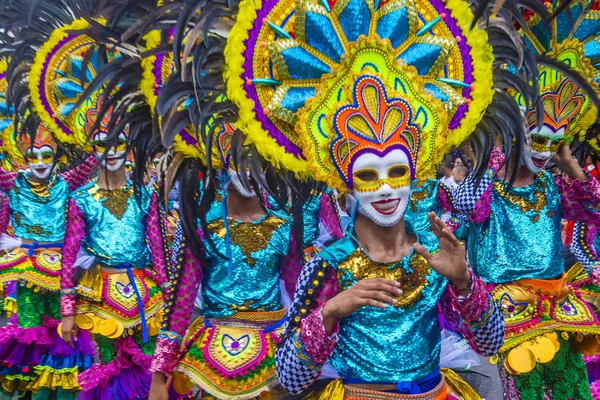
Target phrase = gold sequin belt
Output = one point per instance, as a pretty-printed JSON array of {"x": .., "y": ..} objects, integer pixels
[
  {"x": 251, "y": 319},
  {"x": 377, "y": 392}
]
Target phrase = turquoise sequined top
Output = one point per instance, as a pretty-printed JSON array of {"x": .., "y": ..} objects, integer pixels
[
  {"x": 35, "y": 217},
  {"x": 521, "y": 238},
  {"x": 395, "y": 344},
  {"x": 257, "y": 248},
  {"x": 310, "y": 217},
  {"x": 423, "y": 200},
  {"x": 115, "y": 224}
]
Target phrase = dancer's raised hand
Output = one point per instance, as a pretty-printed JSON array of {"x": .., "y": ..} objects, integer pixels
[{"x": 449, "y": 260}]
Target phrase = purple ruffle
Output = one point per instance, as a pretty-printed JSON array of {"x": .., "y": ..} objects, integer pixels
[
  {"x": 83, "y": 345},
  {"x": 592, "y": 364},
  {"x": 125, "y": 378},
  {"x": 23, "y": 346}
]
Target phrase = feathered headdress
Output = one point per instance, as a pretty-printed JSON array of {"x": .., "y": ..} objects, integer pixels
[
  {"x": 319, "y": 83},
  {"x": 568, "y": 50}
]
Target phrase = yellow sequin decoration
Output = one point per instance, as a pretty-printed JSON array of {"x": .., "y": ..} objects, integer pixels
[
  {"x": 115, "y": 201},
  {"x": 250, "y": 237},
  {"x": 412, "y": 284},
  {"x": 522, "y": 203}
]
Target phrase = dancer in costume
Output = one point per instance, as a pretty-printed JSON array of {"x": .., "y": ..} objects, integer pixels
[
  {"x": 114, "y": 228},
  {"x": 33, "y": 357},
  {"x": 320, "y": 93},
  {"x": 515, "y": 231},
  {"x": 244, "y": 245}
]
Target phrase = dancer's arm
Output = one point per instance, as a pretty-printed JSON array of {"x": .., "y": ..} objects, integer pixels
[
  {"x": 306, "y": 345},
  {"x": 75, "y": 232},
  {"x": 472, "y": 201},
  {"x": 184, "y": 276},
  {"x": 156, "y": 238},
  {"x": 79, "y": 175},
  {"x": 476, "y": 316},
  {"x": 330, "y": 227},
  {"x": 4, "y": 213},
  {"x": 7, "y": 180},
  {"x": 583, "y": 248}
]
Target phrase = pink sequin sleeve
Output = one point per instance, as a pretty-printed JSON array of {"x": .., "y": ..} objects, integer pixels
[
  {"x": 78, "y": 176},
  {"x": 4, "y": 213},
  {"x": 306, "y": 345},
  {"x": 74, "y": 234},
  {"x": 156, "y": 238},
  {"x": 291, "y": 264},
  {"x": 329, "y": 216},
  {"x": 579, "y": 199},
  {"x": 317, "y": 343},
  {"x": 184, "y": 278},
  {"x": 7, "y": 180},
  {"x": 476, "y": 316}
]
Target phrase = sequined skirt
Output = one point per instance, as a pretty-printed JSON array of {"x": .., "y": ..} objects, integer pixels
[
  {"x": 108, "y": 302},
  {"x": 231, "y": 358},
  {"x": 41, "y": 269},
  {"x": 535, "y": 313}
]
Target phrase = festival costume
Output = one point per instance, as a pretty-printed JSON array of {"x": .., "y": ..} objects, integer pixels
[
  {"x": 318, "y": 88},
  {"x": 115, "y": 236},
  {"x": 33, "y": 357},
  {"x": 515, "y": 233},
  {"x": 229, "y": 352},
  {"x": 545, "y": 317}
]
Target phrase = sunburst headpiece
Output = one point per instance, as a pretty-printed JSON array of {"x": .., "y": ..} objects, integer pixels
[
  {"x": 319, "y": 83},
  {"x": 156, "y": 71},
  {"x": 64, "y": 66},
  {"x": 570, "y": 39}
]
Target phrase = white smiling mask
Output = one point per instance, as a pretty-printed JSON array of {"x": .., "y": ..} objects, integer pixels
[{"x": 382, "y": 186}]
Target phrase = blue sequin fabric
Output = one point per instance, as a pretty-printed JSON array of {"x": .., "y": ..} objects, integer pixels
[
  {"x": 521, "y": 238},
  {"x": 423, "y": 200},
  {"x": 115, "y": 224},
  {"x": 256, "y": 249},
  {"x": 398, "y": 343},
  {"x": 39, "y": 217}
]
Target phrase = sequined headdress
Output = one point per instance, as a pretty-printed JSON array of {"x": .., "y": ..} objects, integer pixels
[
  {"x": 569, "y": 78},
  {"x": 8, "y": 148},
  {"x": 158, "y": 71},
  {"x": 318, "y": 83},
  {"x": 63, "y": 68}
]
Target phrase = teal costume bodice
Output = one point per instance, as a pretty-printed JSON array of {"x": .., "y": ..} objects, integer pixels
[
  {"x": 115, "y": 224},
  {"x": 521, "y": 239},
  {"x": 423, "y": 200},
  {"x": 36, "y": 217},
  {"x": 310, "y": 219},
  {"x": 257, "y": 248},
  {"x": 398, "y": 343}
]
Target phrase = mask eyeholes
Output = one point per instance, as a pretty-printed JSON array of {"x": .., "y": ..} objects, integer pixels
[{"x": 367, "y": 175}]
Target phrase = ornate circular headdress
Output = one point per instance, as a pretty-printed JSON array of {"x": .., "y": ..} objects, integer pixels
[
  {"x": 156, "y": 71},
  {"x": 7, "y": 143},
  {"x": 570, "y": 39},
  {"x": 63, "y": 68},
  {"x": 320, "y": 82}
]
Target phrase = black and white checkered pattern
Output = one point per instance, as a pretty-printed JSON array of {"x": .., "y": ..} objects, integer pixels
[
  {"x": 489, "y": 337},
  {"x": 469, "y": 193},
  {"x": 584, "y": 252},
  {"x": 294, "y": 375},
  {"x": 304, "y": 282}
]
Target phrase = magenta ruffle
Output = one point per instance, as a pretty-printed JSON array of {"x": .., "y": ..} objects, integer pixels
[
  {"x": 595, "y": 389},
  {"x": 125, "y": 378},
  {"x": 592, "y": 364}
]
